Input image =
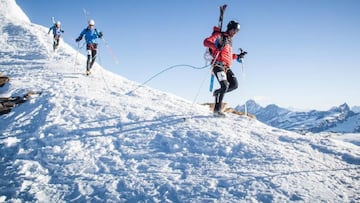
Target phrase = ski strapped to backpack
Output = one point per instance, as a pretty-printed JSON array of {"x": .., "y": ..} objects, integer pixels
[{"x": 222, "y": 11}]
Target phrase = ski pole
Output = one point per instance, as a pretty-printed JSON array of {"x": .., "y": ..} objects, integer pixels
[
  {"x": 77, "y": 52},
  {"x": 243, "y": 78},
  {"x": 241, "y": 60},
  {"x": 108, "y": 48},
  {"x": 102, "y": 74}
]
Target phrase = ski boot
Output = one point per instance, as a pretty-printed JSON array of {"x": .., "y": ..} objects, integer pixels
[{"x": 219, "y": 114}]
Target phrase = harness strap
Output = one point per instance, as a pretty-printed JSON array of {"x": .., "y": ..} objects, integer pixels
[{"x": 92, "y": 46}]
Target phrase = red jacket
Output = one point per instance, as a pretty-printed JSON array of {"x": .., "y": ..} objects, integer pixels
[{"x": 225, "y": 55}]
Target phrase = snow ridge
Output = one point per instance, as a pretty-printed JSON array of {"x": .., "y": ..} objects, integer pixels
[
  {"x": 11, "y": 11},
  {"x": 85, "y": 140}
]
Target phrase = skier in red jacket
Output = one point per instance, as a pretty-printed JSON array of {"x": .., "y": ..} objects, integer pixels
[{"x": 220, "y": 45}]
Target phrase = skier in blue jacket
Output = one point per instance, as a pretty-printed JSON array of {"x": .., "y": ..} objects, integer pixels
[
  {"x": 56, "y": 30},
  {"x": 91, "y": 35}
]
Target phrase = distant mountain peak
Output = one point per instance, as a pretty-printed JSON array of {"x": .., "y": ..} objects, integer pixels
[
  {"x": 345, "y": 106},
  {"x": 355, "y": 109},
  {"x": 251, "y": 106},
  {"x": 306, "y": 121},
  {"x": 251, "y": 101}
]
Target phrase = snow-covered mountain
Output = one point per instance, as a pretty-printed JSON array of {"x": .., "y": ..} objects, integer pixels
[
  {"x": 337, "y": 119},
  {"x": 94, "y": 139},
  {"x": 356, "y": 109}
]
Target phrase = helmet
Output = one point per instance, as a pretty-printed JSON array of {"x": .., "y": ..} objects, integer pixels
[
  {"x": 91, "y": 22},
  {"x": 58, "y": 23},
  {"x": 233, "y": 25}
]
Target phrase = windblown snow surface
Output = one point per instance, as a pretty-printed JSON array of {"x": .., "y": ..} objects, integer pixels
[{"x": 94, "y": 139}]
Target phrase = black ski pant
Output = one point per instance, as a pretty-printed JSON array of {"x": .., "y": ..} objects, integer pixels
[
  {"x": 228, "y": 83},
  {"x": 91, "y": 56},
  {"x": 56, "y": 41}
]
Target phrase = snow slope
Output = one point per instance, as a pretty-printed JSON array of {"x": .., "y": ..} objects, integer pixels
[{"x": 87, "y": 139}]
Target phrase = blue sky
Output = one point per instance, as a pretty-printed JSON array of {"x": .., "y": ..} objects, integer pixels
[{"x": 302, "y": 54}]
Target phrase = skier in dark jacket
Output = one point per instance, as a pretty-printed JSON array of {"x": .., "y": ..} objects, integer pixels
[
  {"x": 91, "y": 35},
  {"x": 56, "y": 30},
  {"x": 220, "y": 44}
]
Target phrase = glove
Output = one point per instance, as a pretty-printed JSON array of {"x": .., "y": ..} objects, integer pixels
[
  {"x": 241, "y": 56},
  {"x": 100, "y": 34},
  {"x": 78, "y": 39}
]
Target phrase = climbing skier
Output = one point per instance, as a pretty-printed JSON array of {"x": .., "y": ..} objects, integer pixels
[
  {"x": 91, "y": 35},
  {"x": 220, "y": 45},
  {"x": 56, "y": 30}
]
